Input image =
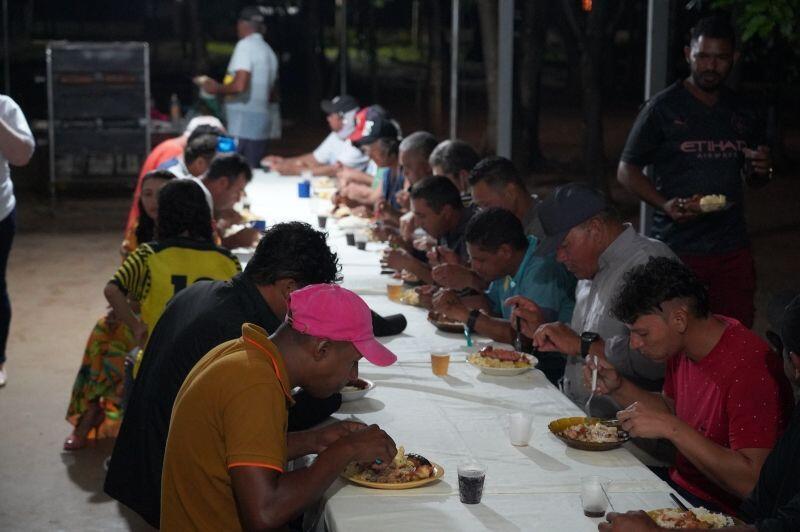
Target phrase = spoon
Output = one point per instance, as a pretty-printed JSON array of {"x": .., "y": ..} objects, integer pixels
[
  {"x": 518, "y": 338},
  {"x": 594, "y": 387}
]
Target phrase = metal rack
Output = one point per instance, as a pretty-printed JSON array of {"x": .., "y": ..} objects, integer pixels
[{"x": 98, "y": 98}]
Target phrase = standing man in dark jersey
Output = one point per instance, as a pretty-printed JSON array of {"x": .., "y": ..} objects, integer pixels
[{"x": 701, "y": 138}]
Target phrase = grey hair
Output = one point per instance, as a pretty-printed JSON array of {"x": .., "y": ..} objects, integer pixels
[
  {"x": 420, "y": 142},
  {"x": 452, "y": 156}
]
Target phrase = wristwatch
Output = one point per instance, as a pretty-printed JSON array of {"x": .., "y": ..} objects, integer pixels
[
  {"x": 473, "y": 317},
  {"x": 587, "y": 339}
]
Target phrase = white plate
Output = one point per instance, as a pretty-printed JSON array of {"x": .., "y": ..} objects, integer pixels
[
  {"x": 506, "y": 372},
  {"x": 358, "y": 394}
]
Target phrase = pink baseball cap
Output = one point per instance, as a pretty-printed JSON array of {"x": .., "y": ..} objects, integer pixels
[{"x": 332, "y": 312}]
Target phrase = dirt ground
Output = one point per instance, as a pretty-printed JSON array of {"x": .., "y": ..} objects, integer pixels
[{"x": 58, "y": 266}]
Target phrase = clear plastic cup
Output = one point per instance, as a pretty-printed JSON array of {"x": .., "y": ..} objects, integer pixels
[
  {"x": 471, "y": 476},
  {"x": 593, "y": 496},
  {"x": 520, "y": 428},
  {"x": 440, "y": 362}
]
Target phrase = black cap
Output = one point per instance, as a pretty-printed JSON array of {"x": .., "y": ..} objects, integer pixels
[
  {"x": 567, "y": 206},
  {"x": 783, "y": 316},
  {"x": 255, "y": 14},
  {"x": 387, "y": 325},
  {"x": 372, "y": 124},
  {"x": 340, "y": 104}
]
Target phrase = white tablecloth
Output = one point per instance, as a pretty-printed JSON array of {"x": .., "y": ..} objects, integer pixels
[{"x": 448, "y": 419}]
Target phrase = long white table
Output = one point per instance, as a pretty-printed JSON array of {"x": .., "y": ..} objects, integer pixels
[{"x": 448, "y": 419}]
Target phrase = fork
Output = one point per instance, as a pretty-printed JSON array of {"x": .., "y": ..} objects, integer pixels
[
  {"x": 518, "y": 338},
  {"x": 586, "y": 408}
]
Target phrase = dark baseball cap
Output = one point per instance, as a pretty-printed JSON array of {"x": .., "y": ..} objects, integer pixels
[
  {"x": 373, "y": 123},
  {"x": 568, "y": 206},
  {"x": 783, "y": 317},
  {"x": 255, "y": 14},
  {"x": 340, "y": 104}
]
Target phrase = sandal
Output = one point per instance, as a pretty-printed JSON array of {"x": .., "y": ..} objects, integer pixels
[{"x": 88, "y": 423}]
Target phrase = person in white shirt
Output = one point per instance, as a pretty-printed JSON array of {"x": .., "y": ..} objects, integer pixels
[
  {"x": 248, "y": 86},
  {"x": 16, "y": 148},
  {"x": 334, "y": 152}
]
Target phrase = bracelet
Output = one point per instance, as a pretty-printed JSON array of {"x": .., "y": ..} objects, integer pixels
[{"x": 473, "y": 317}]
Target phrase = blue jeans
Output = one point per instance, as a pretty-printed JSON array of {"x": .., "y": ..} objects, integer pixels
[{"x": 7, "y": 229}]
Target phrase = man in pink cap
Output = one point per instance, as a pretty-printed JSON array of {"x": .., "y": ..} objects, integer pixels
[{"x": 227, "y": 449}]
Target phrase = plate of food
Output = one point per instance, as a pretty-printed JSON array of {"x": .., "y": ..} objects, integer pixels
[
  {"x": 405, "y": 472},
  {"x": 502, "y": 362},
  {"x": 588, "y": 433},
  {"x": 443, "y": 323},
  {"x": 673, "y": 518},
  {"x": 356, "y": 389}
]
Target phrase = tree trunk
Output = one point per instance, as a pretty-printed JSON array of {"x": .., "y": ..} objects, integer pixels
[
  {"x": 535, "y": 13},
  {"x": 199, "y": 55},
  {"x": 372, "y": 51},
  {"x": 312, "y": 48},
  {"x": 435, "y": 68},
  {"x": 487, "y": 12},
  {"x": 591, "y": 65}
]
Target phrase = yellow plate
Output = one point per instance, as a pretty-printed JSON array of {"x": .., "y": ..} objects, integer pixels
[
  {"x": 438, "y": 472},
  {"x": 559, "y": 425},
  {"x": 653, "y": 514}
]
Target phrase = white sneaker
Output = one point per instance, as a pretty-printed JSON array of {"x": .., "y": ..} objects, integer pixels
[{"x": 3, "y": 377}]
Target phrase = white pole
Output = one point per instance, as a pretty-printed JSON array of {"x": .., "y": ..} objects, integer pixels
[
  {"x": 455, "y": 26},
  {"x": 655, "y": 77},
  {"x": 505, "y": 75}
]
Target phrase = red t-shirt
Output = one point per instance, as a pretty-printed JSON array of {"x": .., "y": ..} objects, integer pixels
[{"x": 737, "y": 396}]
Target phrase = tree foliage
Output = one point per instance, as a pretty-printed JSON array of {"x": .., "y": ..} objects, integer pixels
[{"x": 765, "y": 19}]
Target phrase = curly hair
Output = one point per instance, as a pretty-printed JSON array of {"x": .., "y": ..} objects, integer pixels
[
  {"x": 293, "y": 250},
  {"x": 491, "y": 228},
  {"x": 146, "y": 226},
  {"x": 183, "y": 211},
  {"x": 661, "y": 279}
]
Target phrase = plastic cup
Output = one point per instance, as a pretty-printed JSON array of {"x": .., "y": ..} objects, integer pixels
[
  {"x": 520, "y": 428},
  {"x": 304, "y": 189},
  {"x": 322, "y": 221},
  {"x": 471, "y": 476},
  {"x": 351, "y": 239},
  {"x": 439, "y": 363},
  {"x": 259, "y": 225},
  {"x": 593, "y": 496},
  {"x": 394, "y": 291},
  {"x": 360, "y": 238}
]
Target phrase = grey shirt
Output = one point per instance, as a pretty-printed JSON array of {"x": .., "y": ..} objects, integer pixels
[{"x": 593, "y": 299}]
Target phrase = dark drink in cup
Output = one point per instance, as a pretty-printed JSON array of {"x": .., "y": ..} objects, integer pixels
[
  {"x": 322, "y": 220},
  {"x": 351, "y": 239},
  {"x": 470, "y": 483},
  {"x": 361, "y": 245}
]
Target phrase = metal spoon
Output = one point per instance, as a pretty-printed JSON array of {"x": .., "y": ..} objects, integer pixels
[
  {"x": 594, "y": 387},
  {"x": 518, "y": 338}
]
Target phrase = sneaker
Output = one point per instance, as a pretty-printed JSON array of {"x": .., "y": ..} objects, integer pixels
[{"x": 3, "y": 377}]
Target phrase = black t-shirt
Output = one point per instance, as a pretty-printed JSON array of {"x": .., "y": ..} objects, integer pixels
[
  {"x": 456, "y": 239},
  {"x": 195, "y": 321},
  {"x": 774, "y": 504},
  {"x": 696, "y": 149}
]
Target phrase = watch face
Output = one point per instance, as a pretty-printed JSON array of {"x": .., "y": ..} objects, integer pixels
[{"x": 589, "y": 336}]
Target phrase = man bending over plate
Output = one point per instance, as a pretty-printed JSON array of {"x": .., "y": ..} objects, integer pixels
[{"x": 227, "y": 449}]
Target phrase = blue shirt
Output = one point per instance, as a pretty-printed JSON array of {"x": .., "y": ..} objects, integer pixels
[
  {"x": 540, "y": 279},
  {"x": 391, "y": 184}
]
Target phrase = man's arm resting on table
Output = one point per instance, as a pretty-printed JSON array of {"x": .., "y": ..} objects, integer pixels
[
  {"x": 632, "y": 177},
  {"x": 498, "y": 329},
  {"x": 16, "y": 147},
  {"x": 735, "y": 471},
  {"x": 420, "y": 269}
]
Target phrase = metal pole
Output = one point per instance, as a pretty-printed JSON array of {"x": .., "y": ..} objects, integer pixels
[
  {"x": 6, "y": 59},
  {"x": 505, "y": 73},
  {"x": 342, "y": 46},
  {"x": 655, "y": 78},
  {"x": 455, "y": 26}
]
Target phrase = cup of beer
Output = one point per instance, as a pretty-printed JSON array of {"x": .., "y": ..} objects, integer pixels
[{"x": 439, "y": 363}]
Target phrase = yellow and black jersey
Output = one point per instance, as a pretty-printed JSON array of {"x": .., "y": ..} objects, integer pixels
[{"x": 156, "y": 271}]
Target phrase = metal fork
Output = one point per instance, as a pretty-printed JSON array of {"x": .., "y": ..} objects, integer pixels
[{"x": 586, "y": 408}]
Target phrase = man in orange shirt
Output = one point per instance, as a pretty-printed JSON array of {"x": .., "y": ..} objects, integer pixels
[{"x": 168, "y": 149}]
